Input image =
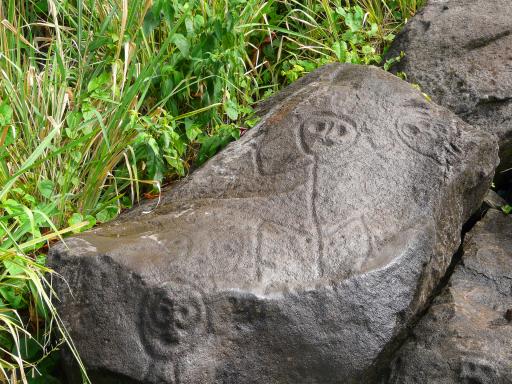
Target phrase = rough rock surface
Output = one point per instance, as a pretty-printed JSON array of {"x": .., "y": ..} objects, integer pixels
[
  {"x": 459, "y": 52},
  {"x": 493, "y": 200},
  {"x": 466, "y": 336},
  {"x": 296, "y": 255}
]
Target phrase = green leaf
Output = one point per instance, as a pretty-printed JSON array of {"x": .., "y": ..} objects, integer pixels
[
  {"x": 192, "y": 131},
  {"x": 6, "y": 341},
  {"x": 106, "y": 214},
  {"x": 374, "y": 29},
  {"x": 176, "y": 163},
  {"x": 308, "y": 66},
  {"x": 353, "y": 22},
  {"x": 91, "y": 220},
  {"x": 341, "y": 11},
  {"x": 189, "y": 25},
  {"x": 13, "y": 296},
  {"x": 389, "y": 37},
  {"x": 211, "y": 145},
  {"x": 353, "y": 57},
  {"x": 41, "y": 307},
  {"x": 46, "y": 187},
  {"x": 43, "y": 145},
  {"x": 12, "y": 206},
  {"x": 100, "y": 81},
  {"x": 41, "y": 6},
  {"x": 41, "y": 259},
  {"x": 209, "y": 148},
  {"x": 75, "y": 219},
  {"x": 181, "y": 43},
  {"x": 14, "y": 268},
  {"x": 5, "y": 114},
  {"x": 231, "y": 109},
  {"x": 390, "y": 62},
  {"x": 30, "y": 349},
  {"x": 73, "y": 119},
  {"x": 168, "y": 11},
  {"x": 359, "y": 14},
  {"x": 151, "y": 20},
  {"x": 340, "y": 50},
  {"x": 367, "y": 50},
  {"x": 30, "y": 199}
]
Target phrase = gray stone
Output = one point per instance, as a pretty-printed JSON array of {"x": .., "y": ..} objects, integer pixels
[
  {"x": 466, "y": 336},
  {"x": 297, "y": 255},
  {"x": 493, "y": 200},
  {"x": 459, "y": 52}
]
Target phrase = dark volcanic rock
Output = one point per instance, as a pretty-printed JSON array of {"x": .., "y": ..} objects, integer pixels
[
  {"x": 460, "y": 53},
  {"x": 466, "y": 336},
  {"x": 296, "y": 255}
]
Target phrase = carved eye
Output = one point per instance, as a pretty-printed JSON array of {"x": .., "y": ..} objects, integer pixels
[
  {"x": 164, "y": 311},
  {"x": 327, "y": 130},
  {"x": 411, "y": 129},
  {"x": 187, "y": 314},
  {"x": 318, "y": 127}
]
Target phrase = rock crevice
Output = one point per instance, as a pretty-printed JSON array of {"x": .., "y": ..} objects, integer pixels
[{"x": 465, "y": 335}]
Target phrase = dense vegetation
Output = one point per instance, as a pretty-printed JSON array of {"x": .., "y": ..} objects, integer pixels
[{"x": 104, "y": 101}]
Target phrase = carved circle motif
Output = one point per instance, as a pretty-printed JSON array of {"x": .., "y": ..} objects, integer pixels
[
  {"x": 325, "y": 130},
  {"x": 171, "y": 314},
  {"x": 425, "y": 137}
]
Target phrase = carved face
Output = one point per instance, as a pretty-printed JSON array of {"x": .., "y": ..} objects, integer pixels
[
  {"x": 173, "y": 314},
  {"x": 427, "y": 137},
  {"x": 324, "y": 130}
]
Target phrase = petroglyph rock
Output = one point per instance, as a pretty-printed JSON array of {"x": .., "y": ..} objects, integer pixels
[{"x": 296, "y": 255}]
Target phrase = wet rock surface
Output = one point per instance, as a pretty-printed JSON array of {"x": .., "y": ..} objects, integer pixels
[
  {"x": 459, "y": 52},
  {"x": 296, "y": 255},
  {"x": 466, "y": 335}
]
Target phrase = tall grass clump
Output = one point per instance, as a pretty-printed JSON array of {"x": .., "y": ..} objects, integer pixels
[
  {"x": 104, "y": 101},
  {"x": 302, "y": 35}
]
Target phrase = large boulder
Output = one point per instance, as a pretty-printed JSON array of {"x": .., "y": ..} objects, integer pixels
[
  {"x": 459, "y": 52},
  {"x": 299, "y": 254},
  {"x": 466, "y": 336}
]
